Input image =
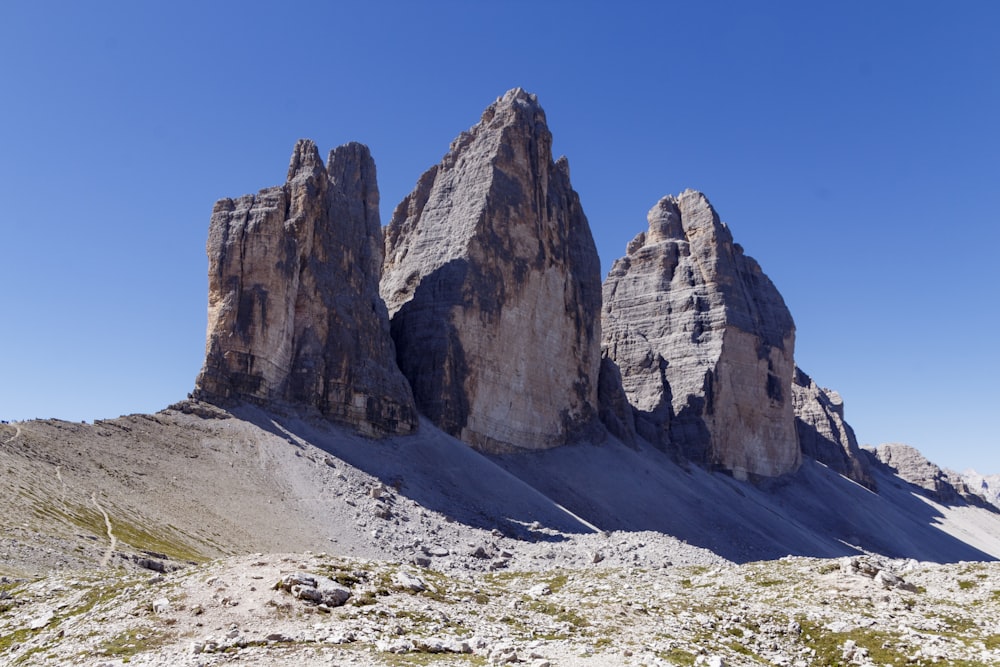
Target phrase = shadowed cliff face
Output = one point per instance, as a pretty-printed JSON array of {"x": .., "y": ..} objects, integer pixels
[
  {"x": 492, "y": 281},
  {"x": 294, "y": 312},
  {"x": 704, "y": 343},
  {"x": 823, "y": 433}
]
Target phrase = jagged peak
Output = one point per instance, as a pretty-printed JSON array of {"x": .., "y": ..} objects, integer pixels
[
  {"x": 673, "y": 214},
  {"x": 305, "y": 158},
  {"x": 514, "y": 107}
]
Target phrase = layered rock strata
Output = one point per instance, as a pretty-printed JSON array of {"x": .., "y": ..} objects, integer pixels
[
  {"x": 823, "y": 433},
  {"x": 704, "y": 343},
  {"x": 294, "y": 313},
  {"x": 492, "y": 281},
  {"x": 945, "y": 486}
]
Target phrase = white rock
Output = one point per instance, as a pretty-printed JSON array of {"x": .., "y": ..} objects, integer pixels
[{"x": 409, "y": 581}]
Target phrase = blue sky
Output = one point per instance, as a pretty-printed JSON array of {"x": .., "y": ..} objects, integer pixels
[{"x": 853, "y": 148}]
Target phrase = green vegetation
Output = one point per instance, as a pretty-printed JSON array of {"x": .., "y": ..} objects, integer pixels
[
  {"x": 89, "y": 519},
  {"x": 678, "y": 657},
  {"x": 413, "y": 658},
  {"x": 559, "y": 613},
  {"x": 131, "y": 642},
  {"x": 829, "y": 645}
]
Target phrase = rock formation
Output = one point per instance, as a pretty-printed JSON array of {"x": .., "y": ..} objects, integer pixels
[
  {"x": 823, "y": 433},
  {"x": 944, "y": 486},
  {"x": 492, "y": 281},
  {"x": 704, "y": 342},
  {"x": 987, "y": 486},
  {"x": 294, "y": 314}
]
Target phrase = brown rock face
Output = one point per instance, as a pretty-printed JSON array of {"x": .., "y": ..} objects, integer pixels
[
  {"x": 294, "y": 314},
  {"x": 823, "y": 433},
  {"x": 704, "y": 343},
  {"x": 492, "y": 281}
]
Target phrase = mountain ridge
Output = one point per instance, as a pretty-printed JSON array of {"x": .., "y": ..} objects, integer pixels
[{"x": 315, "y": 392}]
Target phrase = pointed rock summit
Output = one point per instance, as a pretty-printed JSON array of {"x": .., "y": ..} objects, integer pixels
[
  {"x": 492, "y": 281},
  {"x": 704, "y": 343},
  {"x": 294, "y": 314}
]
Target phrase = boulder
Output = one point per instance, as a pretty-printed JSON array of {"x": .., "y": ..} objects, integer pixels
[
  {"x": 703, "y": 342},
  {"x": 823, "y": 433},
  {"x": 492, "y": 282},
  {"x": 294, "y": 316}
]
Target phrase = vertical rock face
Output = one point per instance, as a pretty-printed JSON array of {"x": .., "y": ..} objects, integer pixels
[
  {"x": 823, "y": 433},
  {"x": 294, "y": 314},
  {"x": 492, "y": 281},
  {"x": 704, "y": 342}
]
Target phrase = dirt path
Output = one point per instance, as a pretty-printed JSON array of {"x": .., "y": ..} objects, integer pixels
[
  {"x": 17, "y": 434},
  {"x": 62, "y": 482},
  {"x": 111, "y": 535}
]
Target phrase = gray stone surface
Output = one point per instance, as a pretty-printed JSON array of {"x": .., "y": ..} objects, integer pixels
[
  {"x": 492, "y": 281},
  {"x": 704, "y": 343},
  {"x": 944, "y": 486},
  {"x": 294, "y": 313},
  {"x": 823, "y": 433},
  {"x": 987, "y": 486}
]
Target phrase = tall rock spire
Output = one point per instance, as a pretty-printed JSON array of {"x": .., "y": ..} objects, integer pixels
[
  {"x": 294, "y": 314},
  {"x": 704, "y": 343},
  {"x": 492, "y": 281}
]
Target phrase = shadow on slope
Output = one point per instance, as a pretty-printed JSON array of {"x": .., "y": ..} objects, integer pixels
[
  {"x": 436, "y": 471},
  {"x": 815, "y": 512}
]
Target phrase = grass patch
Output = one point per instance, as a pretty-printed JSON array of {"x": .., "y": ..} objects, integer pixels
[
  {"x": 829, "y": 645},
  {"x": 677, "y": 656},
  {"x": 131, "y": 642},
  {"x": 415, "y": 658},
  {"x": 559, "y": 613},
  {"x": 89, "y": 519}
]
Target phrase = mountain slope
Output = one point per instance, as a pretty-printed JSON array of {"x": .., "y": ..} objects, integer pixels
[{"x": 178, "y": 487}]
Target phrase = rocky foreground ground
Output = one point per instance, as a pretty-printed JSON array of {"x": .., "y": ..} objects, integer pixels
[
  {"x": 127, "y": 541},
  {"x": 320, "y": 609}
]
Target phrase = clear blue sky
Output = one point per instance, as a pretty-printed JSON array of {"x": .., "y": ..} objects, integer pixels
[{"x": 853, "y": 147}]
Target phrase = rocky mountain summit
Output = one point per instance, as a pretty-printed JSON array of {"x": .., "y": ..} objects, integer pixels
[
  {"x": 704, "y": 342},
  {"x": 492, "y": 281},
  {"x": 294, "y": 314},
  {"x": 509, "y": 462}
]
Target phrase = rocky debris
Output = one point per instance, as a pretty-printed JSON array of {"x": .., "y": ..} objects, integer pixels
[
  {"x": 313, "y": 588},
  {"x": 703, "y": 342},
  {"x": 294, "y": 315},
  {"x": 823, "y": 433},
  {"x": 492, "y": 281},
  {"x": 793, "y": 612},
  {"x": 410, "y": 582},
  {"x": 945, "y": 486},
  {"x": 877, "y": 570}
]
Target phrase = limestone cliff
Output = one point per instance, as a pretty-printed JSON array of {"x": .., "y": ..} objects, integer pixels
[
  {"x": 823, "y": 433},
  {"x": 294, "y": 313},
  {"x": 944, "y": 486},
  {"x": 492, "y": 281},
  {"x": 704, "y": 343}
]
